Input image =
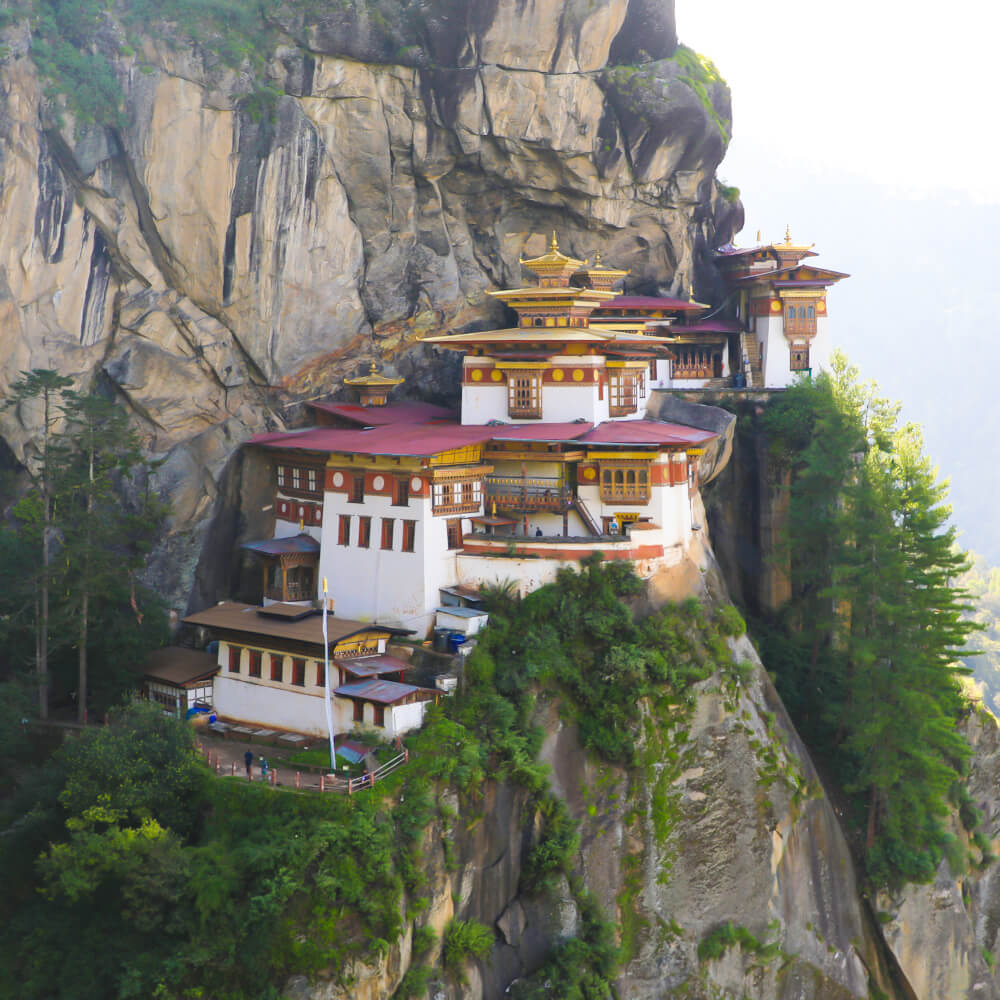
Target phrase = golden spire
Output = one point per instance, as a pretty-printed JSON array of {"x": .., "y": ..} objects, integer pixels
[
  {"x": 758, "y": 236},
  {"x": 597, "y": 259},
  {"x": 373, "y": 388},
  {"x": 554, "y": 245},
  {"x": 788, "y": 235}
]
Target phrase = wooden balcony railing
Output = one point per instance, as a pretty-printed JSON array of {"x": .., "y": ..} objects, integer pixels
[
  {"x": 291, "y": 592},
  {"x": 469, "y": 507},
  {"x": 624, "y": 494},
  {"x": 527, "y": 493}
]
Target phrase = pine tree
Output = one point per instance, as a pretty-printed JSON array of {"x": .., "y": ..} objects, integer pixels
[
  {"x": 874, "y": 603},
  {"x": 45, "y": 386},
  {"x": 105, "y": 534}
]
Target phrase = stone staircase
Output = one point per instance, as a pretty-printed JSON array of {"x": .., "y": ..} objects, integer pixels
[{"x": 751, "y": 351}]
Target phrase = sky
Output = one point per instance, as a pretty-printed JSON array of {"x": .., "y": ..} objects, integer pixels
[{"x": 869, "y": 129}]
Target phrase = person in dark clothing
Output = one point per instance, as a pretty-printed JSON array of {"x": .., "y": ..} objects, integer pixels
[{"x": 248, "y": 760}]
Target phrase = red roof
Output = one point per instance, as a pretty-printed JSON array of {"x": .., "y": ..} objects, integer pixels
[
  {"x": 539, "y": 432},
  {"x": 647, "y": 302},
  {"x": 418, "y": 440},
  {"x": 646, "y": 432},
  {"x": 395, "y": 413},
  {"x": 708, "y": 326}
]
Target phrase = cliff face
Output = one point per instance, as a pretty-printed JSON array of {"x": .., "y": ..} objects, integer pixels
[{"x": 214, "y": 261}]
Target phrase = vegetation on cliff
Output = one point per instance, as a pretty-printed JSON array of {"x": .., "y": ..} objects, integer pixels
[
  {"x": 132, "y": 866},
  {"x": 982, "y": 581},
  {"x": 866, "y": 653}
]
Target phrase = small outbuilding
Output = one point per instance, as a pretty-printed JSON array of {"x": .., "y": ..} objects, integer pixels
[{"x": 179, "y": 679}]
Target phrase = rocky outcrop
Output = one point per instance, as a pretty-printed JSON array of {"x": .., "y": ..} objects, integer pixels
[{"x": 213, "y": 259}]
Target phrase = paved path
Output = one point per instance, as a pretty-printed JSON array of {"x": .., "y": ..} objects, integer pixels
[{"x": 229, "y": 755}]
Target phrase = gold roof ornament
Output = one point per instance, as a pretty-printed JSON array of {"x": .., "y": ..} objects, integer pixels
[
  {"x": 789, "y": 245},
  {"x": 373, "y": 388},
  {"x": 599, "y": 275},
  {"x": 553, "y": 264}
]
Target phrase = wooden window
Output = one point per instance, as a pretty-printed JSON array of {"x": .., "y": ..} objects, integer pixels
[
  {"x": 301, "y": 480},
  {"x": 359, "y": 711},
  {"x": 693, "y": 362},
  {"x": 524, "y": 394},
  {"x": 623, "y": 393},
  {"x": 464, "y": 497},
  {"x": 455, "y": 533},
  {"x": 409, "y": 535},
  {"x": 357, "y": 489},
  {"x": 801, "y": 321},
  {"x": 299, "y": 672},
  {"x": 277, "y": 667},
  {"x": 320, "y": 674},
  {"x": 364, "y": 532},
  {"x": 255, "y": 657},
  {"x": 344, "y": 530},
  {"x": 388, "y": 525},
  {"x": 234, "y": 659},
  {"x": 625, "y": 483},
  {"x": 300, "y": 583},
  {"x": 401, "y": 492},
  {"x": 799, "y": 359},
  {"x": 379, "y": 719}
]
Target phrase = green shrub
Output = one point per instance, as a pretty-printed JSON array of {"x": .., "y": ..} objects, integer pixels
[
  {"x": 730, "y": 622},
  {"x": 414, "y": 983},
  {"x": 465, "y": 939},
  {"x": 423, "y": 940}
]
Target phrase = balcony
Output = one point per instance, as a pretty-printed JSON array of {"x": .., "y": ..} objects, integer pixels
[
  {"x": 527, "y": 494},
  {"x": 617, "y": 493},
  {"x": 800, "y": 326}
]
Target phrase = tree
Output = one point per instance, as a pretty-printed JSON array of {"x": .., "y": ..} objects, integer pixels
[
  {"x": 44, "y": 385},
  {"x": 875, "y": 616},
  {"x": 105, "y": 536}
]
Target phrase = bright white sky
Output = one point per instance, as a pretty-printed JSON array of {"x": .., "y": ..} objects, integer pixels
[
  {"x": 871, "y": 127},
  {"x": 899, "y": 91}
]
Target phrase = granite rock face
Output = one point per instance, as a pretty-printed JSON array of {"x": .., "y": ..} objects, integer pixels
[{"x": 213, "y": 265}]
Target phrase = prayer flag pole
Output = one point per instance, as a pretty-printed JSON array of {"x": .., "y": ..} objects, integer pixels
[{"x": 326, "y": 671}]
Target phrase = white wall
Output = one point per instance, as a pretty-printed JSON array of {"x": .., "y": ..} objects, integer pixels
[
  {"x": 530, "y": 574},
  {"x": 392, "y": 587},
  {"x": 271, "y": 706}
]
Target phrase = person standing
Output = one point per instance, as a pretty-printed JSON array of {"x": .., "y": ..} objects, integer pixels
[
  {"x": 263, "y": 768},
  {"x": 248, "y": 760}
]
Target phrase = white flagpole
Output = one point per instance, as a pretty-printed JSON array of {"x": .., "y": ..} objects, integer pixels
[{"x": 326, "y": 661}]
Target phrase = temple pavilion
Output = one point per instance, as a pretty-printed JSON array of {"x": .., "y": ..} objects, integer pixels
[{"x": 553, "y": 457}]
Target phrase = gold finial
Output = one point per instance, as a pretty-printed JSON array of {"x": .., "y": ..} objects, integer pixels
[
  {"x": 554, "y": 245},
  {"x": 690, "y": 291},
  {"x": 597, "y": 259},
  {"x": 758, "y": 236},
  {"x": 374, "y": 370},
  {"x": 788, "y": 235}
]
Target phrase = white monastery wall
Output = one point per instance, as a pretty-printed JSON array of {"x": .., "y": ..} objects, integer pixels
[{"x": 271, "y": 705}]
